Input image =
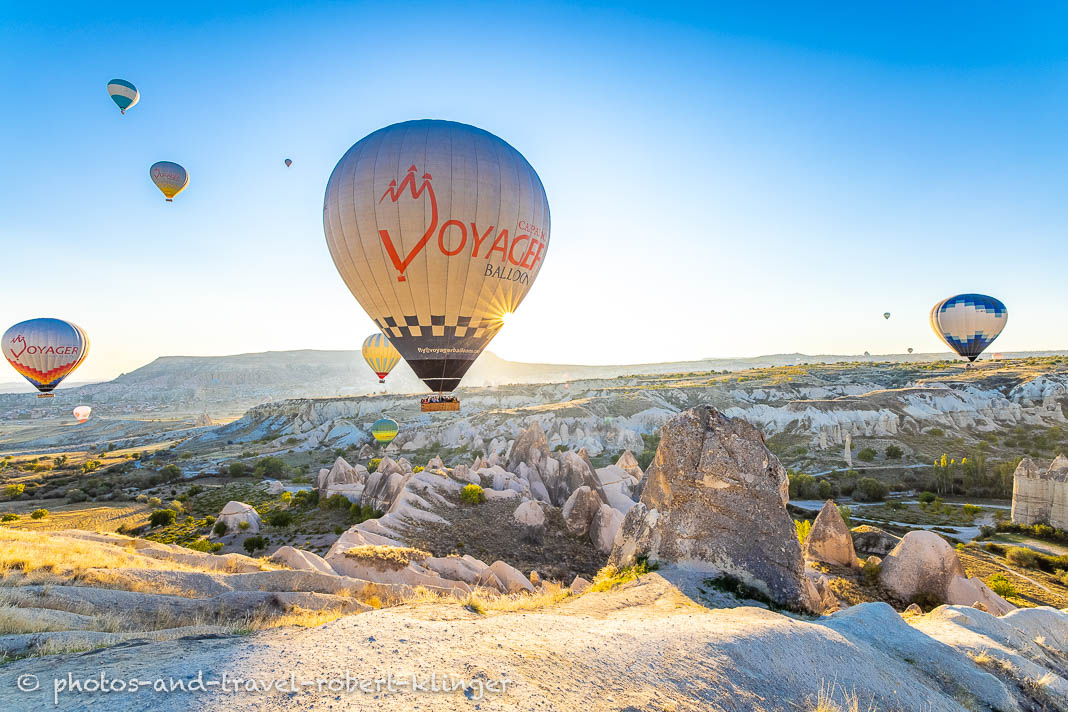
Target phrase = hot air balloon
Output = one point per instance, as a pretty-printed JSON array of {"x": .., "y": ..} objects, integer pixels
[
  {"x": 45, "y": 351},
  {"x": 886, "y": 315},
  {"x": 910, "y": 349},
  {"x": 289, "y": 162},
  {"x": 169, "y": 177},
  {"x": 123, "y": 93},
  {"x": 81, "y": 413},
  {"x": 384, "y": 430},
  {"x": 380, "y": 355},
  {"x": 439, "y": 229},
  {"x": 968, "y": 323}
]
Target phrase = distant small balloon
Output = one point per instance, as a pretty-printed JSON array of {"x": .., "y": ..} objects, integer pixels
[
  {"x": 289, "y": 162},
  {"x": 384, "y": 430},
  {"x": 123, "y": 93},
  {"x": 910, "y": 349},
  {"x": 886, "y": 315},
  {"x": 169, "y": 177},
  {"x": 81, "y": 413}
]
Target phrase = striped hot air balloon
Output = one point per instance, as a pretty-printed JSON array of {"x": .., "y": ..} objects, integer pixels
[
  {"x": 968, "y": 323},
  {"x": 384, "y": 430},
  {"x": 81, "y": 413},
  {"x": 123, "y": 93},
  {"x": 438, "y": 229},
  {"x": 169, "y": 177},
  {"x": 380, "y": 355},
  {"x": 289, "y": 162},
  {"x": 45, "y": 351}
]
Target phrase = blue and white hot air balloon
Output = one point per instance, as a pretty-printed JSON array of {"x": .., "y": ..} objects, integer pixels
[
  {"x": 968, "y": 323},
  {"x": 123, "y": 93}
]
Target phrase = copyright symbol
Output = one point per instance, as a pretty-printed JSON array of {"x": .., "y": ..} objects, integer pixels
[{"x": 28, "y": 683}]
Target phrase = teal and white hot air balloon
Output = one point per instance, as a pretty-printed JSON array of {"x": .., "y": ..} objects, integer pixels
[
  {"x": 968, "y": 323},
  {"x": 123, "y": 93}
]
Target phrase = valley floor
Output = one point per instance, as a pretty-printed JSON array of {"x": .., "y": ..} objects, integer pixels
[{"x": 643, "y": 646}]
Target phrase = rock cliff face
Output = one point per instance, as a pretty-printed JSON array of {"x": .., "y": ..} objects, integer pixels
[
  {"x": 715, "y": 501},
  {"x": 1041, "y": 496}
]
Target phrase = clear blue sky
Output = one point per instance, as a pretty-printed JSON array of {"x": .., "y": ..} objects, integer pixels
[{"x": 728, "y": 179}]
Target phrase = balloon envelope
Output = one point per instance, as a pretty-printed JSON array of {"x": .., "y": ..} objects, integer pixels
[
  {"x": 289, "y": 162},
  {"x": 886, "y": 315},
  {"x": 910, "y": 349},
  {"x": 169, "y": 177},
  {"x": 45, "y": 351},
  {"x": 439, "y": 229},
  {"x": 384, "y": 430},
  {"x": 968, "y": 323},
  {"x": 81, "y": 413},
  {"x": 380, "y": 355},
  {"x": 123, "y": 93}
]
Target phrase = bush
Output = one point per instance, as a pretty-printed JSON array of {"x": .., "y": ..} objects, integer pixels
[
  {"x": 208, "y": 547},
  {"x": 280, "y": 519},
  {"x": 39, "y": 514},
  {"x": 472, "y": 494},
  {"x": 220, "y": 528},
  {"x": 176, "y": 506},
  {"x": 286, "y": 497},
  {"x": 893, "y": 452},
  {"x": 9, "y": 517},
  {"x": 13, "y": 491},
  {"x": 825, "y": 490},
  {"x": 171, "y": 472},
  {"x": 1001, "y": 585},
  {"x": 1022, "y": 556},
  {"x": 869, "y": 489},
  {"x": 927, "y": 497},
  {"x": 154, "y": 501},
  {"x": 866, "y": 455},
  {"x": 937, "y": 432},
  {"x": 335, "y": 501},
  {"x": 803, "y": 527},
  {"x": 237, "y": 469},
  {"x": 846, "y": 513},
  {"x": 971, "y": 510},
  {"x": 162, "y": 517},
  {"x": 76, "y": 495},
  {"x": 270, "y": 467},
  {"x": 361, "y": 513},
  {"x": 373, "y": 464},
  {"x": 253, "y": 543}
]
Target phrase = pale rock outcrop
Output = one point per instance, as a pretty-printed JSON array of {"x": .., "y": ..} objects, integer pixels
[
  {"x": 529, "y": 514},
  {"x": 617, "y": 485},
  {"x": 579, "y": 585},
  {"x": 574, "y": 471},
  {"x": 531, "y": 447},
  {"x": 383, "y": 488},
  {"x": 466, "y": 568},
  {"x": 236, "y": 512},
  {"x": 579, "y": 510},
  {"x": 435, "y": 463},
  {"x": 873, "y": 540},
  {"x": 604, "y": 527},
  {"x": 715, "y": 501},
  {"x": 829, "y": 541},
  {"x": 963, "y": 589},
  {"x": 389, "y": 466},
  {"x": 922, "y": 563},
  {"x": 466, "y": 474},
  {"x": 344, "y": 479},
  {"x": 1041, "y": 497},
  {"x": 274, "y": 486},
  {"x": 512, "y": 580},
  {"x": 628, "y": 462},
  {"x": 301, "y": 560}
]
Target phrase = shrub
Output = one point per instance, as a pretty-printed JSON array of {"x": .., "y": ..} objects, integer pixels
[
  {"x": 893, "y": 452},
  {"x": 253, "y": 543},
  {"x": 280, "y": 519},
  {"x": 472, "y": 494},
  {"x": 176, "y": 506},
  {"x": 418, "y": 468},
  {"x": 39, "y": 514},
  {"x": 220, "y": 528},
  {"x": 937, "y": 432},
  {"x": 362, "y": 512},
  {"x": 208, "y": 547},
  {"x": 1001, "y": 585},
  {"x": 803, "y": 527},
  {"x": 237, "y": 469},
  {"x": 869, "y": 489},
  {"x": 9, "y": 517},
  {"x": 971, "y": 510},
  {"x": 825, "y": 490},
  {"x": 866, "y": 455},
  {"x": 76, "y": 495},
  {"x": 927, "y": 497},
  {"x": 871, "y": 570},
  {"x": 335, "y": 501},
  {"x": 154, "y": 501},
  {"x": 13, "y": 491},
  {"x": 242, "y": 525},
  {"x": 373, "y": 464},
  {"x": 171, "y": 472},
  {"x": 162, "y": 517},
  {"x": 270, "y": 467},
  {"x": 286, "y": 497},
  {"x": 1022, "y": 556},
  {"x": 846, "y": 513}
]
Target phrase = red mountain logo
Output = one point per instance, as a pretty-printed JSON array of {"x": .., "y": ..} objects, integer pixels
[
  {"x": 20, "y": 339},
  {"x": 394, "y": 193}
]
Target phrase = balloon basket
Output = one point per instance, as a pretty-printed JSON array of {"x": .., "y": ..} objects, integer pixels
[
  {"x": 46, "y": 395},
  {"x": 435, "y": 407}
]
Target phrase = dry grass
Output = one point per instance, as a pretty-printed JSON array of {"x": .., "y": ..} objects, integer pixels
[
  {"x": 88, "y": 516},
  {"x": 391, "y": 558},
  {"x": 850, "y": 701},
  {"x": 299, "y": 617}
]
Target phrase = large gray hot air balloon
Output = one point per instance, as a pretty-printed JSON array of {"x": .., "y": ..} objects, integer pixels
[{"x": 439, "y": 229}]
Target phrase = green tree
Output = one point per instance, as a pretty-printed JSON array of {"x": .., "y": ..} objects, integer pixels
[
  {"x": 866, "y": 455},
  {"x": 893, "y": 452},
  {"x": 162, "y": 517},
  {"x": 270, "y": 467},
  {"x": 237, "y": 469}
]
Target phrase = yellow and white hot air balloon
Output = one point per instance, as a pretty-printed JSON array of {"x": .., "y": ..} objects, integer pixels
[
  {"x": 45, "y": 351},
  {"x": 169, "y": 177},
  {"x": 439, "y": 229},
  {"x": 81, "y": 413},
  {"x": 380, "y": 355}
]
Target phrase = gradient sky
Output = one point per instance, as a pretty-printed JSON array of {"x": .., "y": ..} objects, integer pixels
[{"x": 725, "y": 179}]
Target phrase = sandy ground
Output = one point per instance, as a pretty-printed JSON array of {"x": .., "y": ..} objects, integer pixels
[{"x": 642, "y": 647}]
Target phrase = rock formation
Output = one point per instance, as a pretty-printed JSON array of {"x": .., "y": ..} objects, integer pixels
[
  {"x": 1041, "y": 497},
  {"x": 343, "y": 479},
  {"x": 829, "y": 541},
  {"x": 715, "y": 501},
  {"x": 236, "y": 512},
  {"x": 579, "y": 510},
  {"x": 873, "y": 540}
]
